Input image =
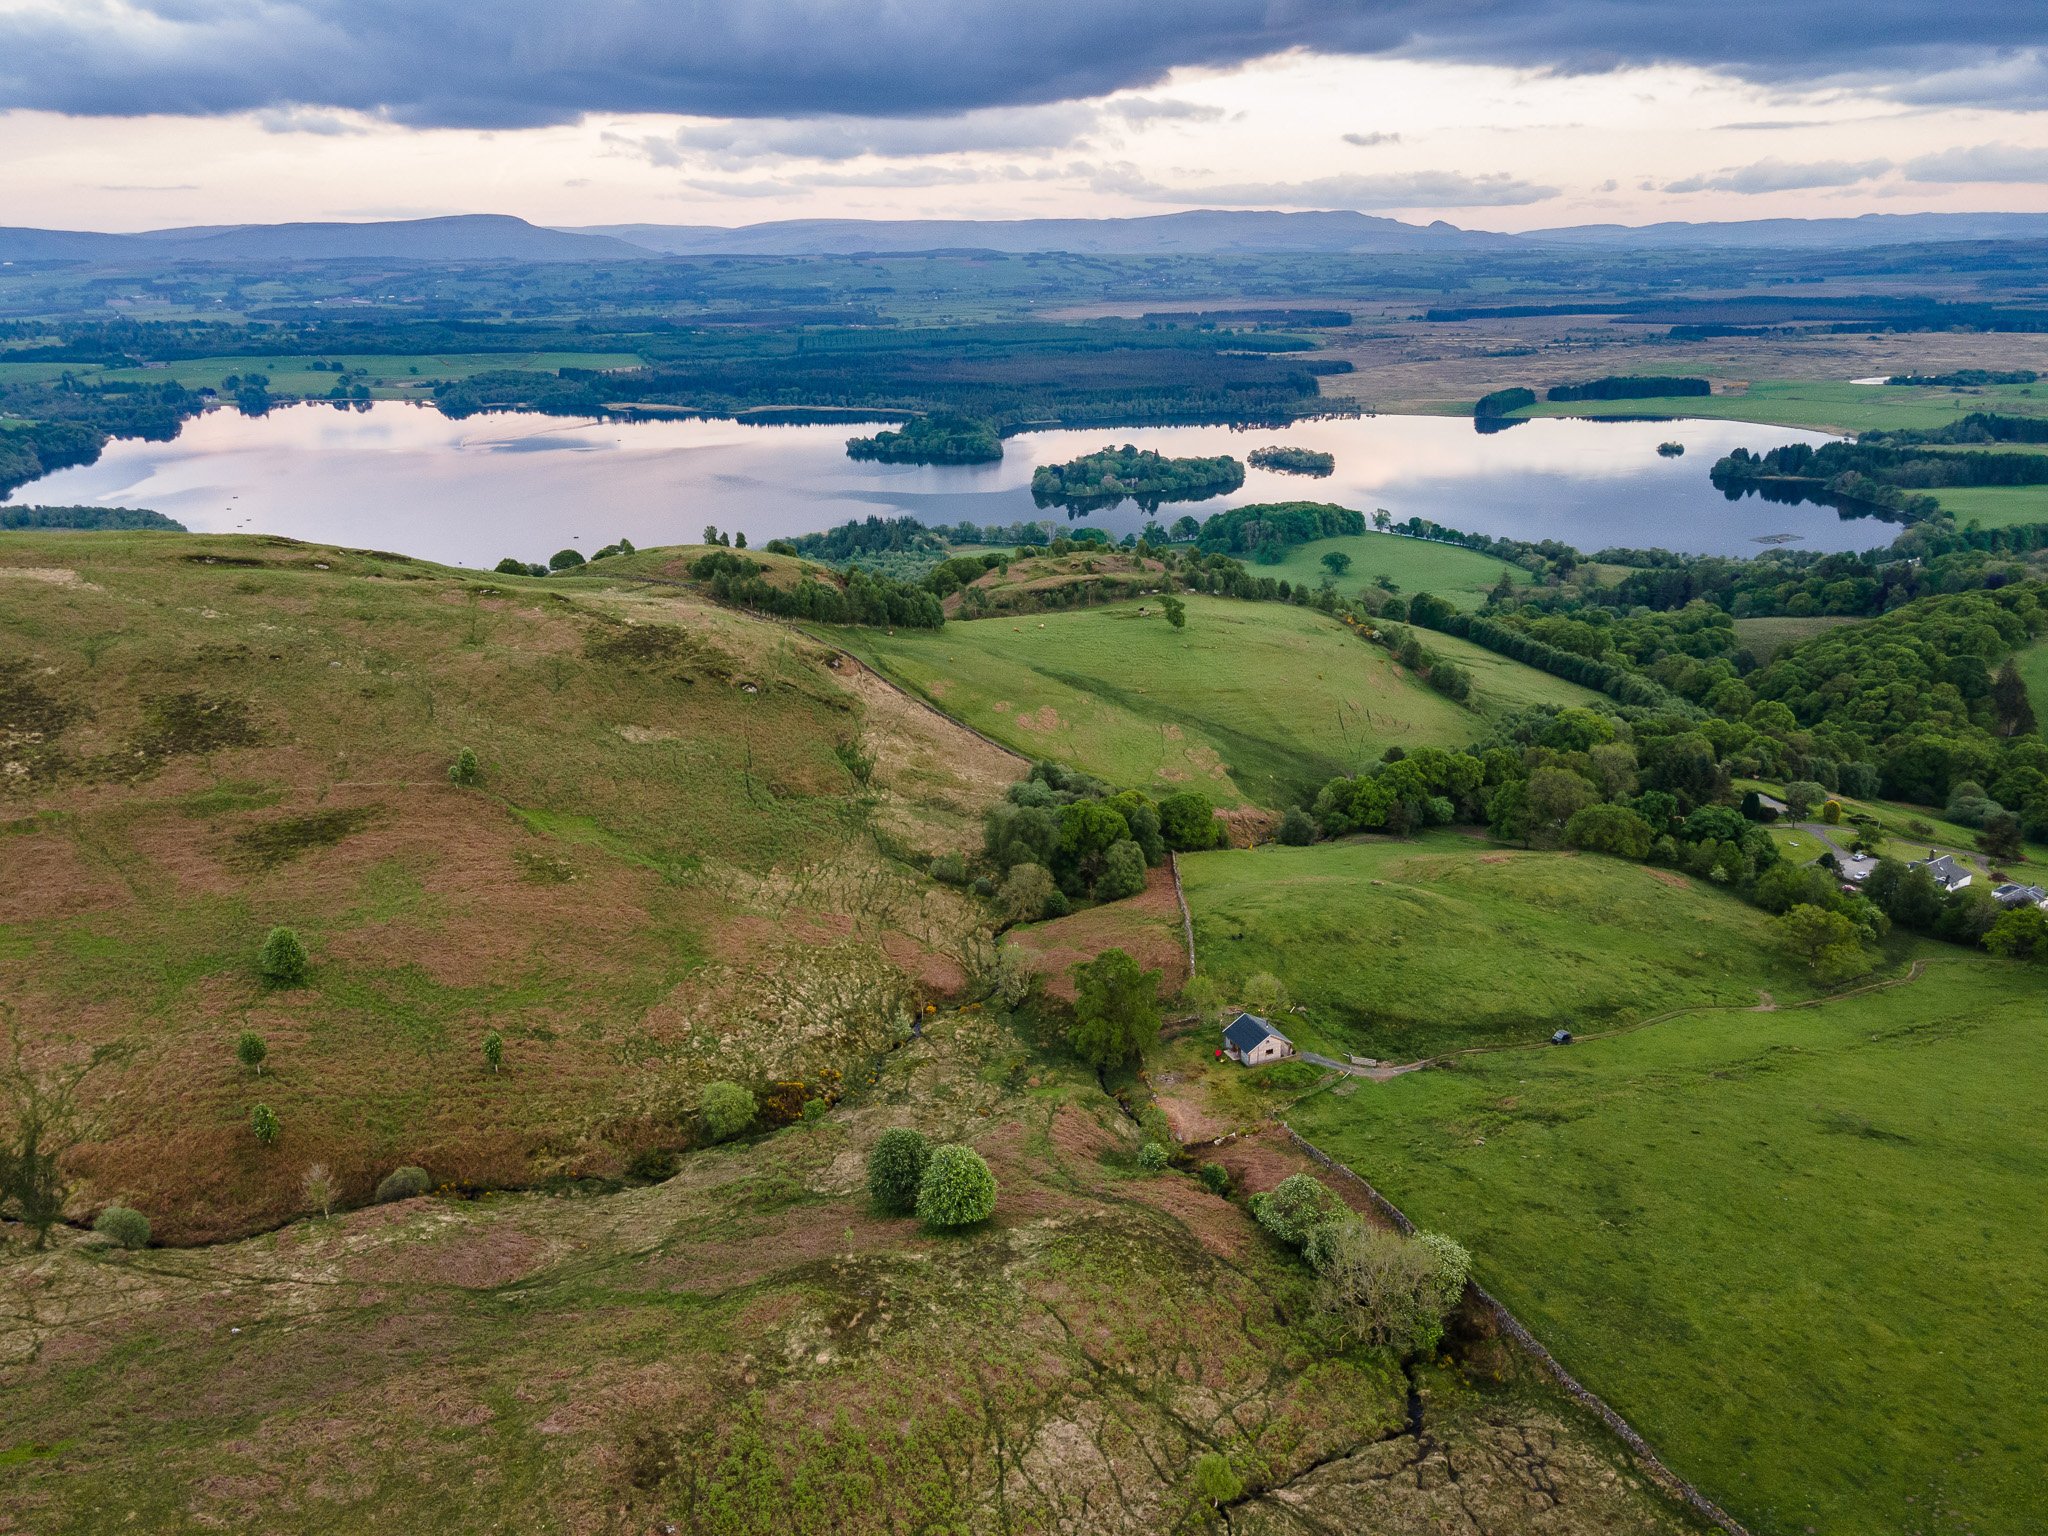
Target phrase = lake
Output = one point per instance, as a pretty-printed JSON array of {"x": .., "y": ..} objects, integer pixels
[{"x": 403, "y": 477}]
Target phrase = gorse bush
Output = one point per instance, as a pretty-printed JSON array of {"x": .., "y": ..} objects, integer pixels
[
  {"x": 896, "y": 1167},
  {"x": 404, "y": 1183},
  {"x": 1153, "y": 1157},
  {"x": 494, "y": 1050},
  {"x": 263, "y": 1125},
  {"x": 464, "y": 770},
  {"x": 728, "y": 1109},
  {"x": 282, "y": 959},
  {"x": 123, "y": 1226},
  {"x": 957, "y": 1189}
]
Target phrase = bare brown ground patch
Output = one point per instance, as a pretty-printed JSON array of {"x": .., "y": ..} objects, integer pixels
[
  {"x": 936, "y": 974},
  {"x": 1146, "y": 926},
  {"x": 1669, "y": 877},
  {"x": 491, "y": 1255},
  {"x": 1189, "y": 1118},
  {"x": 1262, "y": 1159},
  {"x": 48, "y": 877}
]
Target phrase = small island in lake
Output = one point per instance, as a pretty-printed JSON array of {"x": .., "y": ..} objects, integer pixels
[
  {"x": 1671, "y": 450},
  {"x": 1148, "y": 478},
  {"x": 942, "y": 437},
  {"x": 1294, "y": 461}
]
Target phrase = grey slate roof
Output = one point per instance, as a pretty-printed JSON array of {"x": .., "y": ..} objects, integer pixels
[
  {"x": 1247, "y": 1030},
  {"x": 1945, "y": 870},
  {"x": 2013, "y": 895}
]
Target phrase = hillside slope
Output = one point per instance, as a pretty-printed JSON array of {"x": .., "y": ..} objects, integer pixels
[
  {"x": 670, "y": 869},
  {"x": 1259, "y": 703}
]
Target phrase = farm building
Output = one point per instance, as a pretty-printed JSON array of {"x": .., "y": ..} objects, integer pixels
[
  {"x": 1253, "y": 1041},
  {"x": 2012, "y": 895}
]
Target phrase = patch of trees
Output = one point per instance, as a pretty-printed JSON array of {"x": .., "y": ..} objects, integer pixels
[
  {"x": 1071, "y": 837},
  {"x": 1293, "y": 461},
  {"x": 1102, "y": 479},
  {"x": 1503, "y": 402},
  {"x": 1874, "y": 475},
  {"x": 511, "y": 389},
  {"x": 939, "y": 437},
  {"x": 1385, "y": 1290},
  {"x": 876, "y": 601},
  {"x": 87, "y": 517},
  {"x": 1269, "y": 528},
  {"x": 861, "y": 539},
  {"x": 1628, "y": 386},
  {"x": 1618, "y": 682},
  {"x": 1966, "y": 378},
  {"x": 63, "y": 423},
  {"x": 1977, "y": 427}
]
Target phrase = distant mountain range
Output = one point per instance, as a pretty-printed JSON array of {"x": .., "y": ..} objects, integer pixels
[{"x": 498, "y": 237}]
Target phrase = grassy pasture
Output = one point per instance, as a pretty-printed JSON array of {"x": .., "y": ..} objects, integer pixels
[
  {"x": 1798, "y": 1250},
  {"x": 1461, "y": 577},
  {"x": 1400, "y": 949},
  {"x": 1766, "y": 637},
  {"x": 209, "y": 735},
  {"x": 1995, "y": 506},
  {"x": 1253, "y": 702},
  {"x": 1823, "y": 405},
  {"x": 2033, "y": 667}
]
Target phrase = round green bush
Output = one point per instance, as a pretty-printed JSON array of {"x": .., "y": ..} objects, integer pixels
[
  {"x": 896, "y": 1169},
  {"x": 123, "y": 1226},
  {"x": 957, "y": 1189},
  {"x": 282, "y": 959},
  {"x": 728, "y": 1109},
  {"x": 1152, "y": 1157},
  {"x": 403, "y": 1184},
  {"x": 1215, "y": 1178},
  {"x": 464, "y": 770},
  {"x": 251, "y": 1051},
  {"x": 263, "y": 1124}
]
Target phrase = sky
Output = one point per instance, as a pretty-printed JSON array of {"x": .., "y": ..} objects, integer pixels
[{"x": 1495, "y": 114}]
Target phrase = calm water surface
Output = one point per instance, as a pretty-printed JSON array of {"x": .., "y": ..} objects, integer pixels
[{"x": 405, "y": 478}]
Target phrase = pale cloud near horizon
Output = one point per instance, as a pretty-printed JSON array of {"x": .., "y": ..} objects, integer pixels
[{"x": 1488, "y": 145}]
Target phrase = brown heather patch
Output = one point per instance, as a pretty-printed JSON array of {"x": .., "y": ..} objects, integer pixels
[
  {"x": 1147, "y": 926},
  {"x": 49, "y": 877}
]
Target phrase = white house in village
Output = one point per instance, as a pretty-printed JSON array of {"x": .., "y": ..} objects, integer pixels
[
  {"x": 1948, "y": 874},
  {"x": 1253, "y": 1041}
]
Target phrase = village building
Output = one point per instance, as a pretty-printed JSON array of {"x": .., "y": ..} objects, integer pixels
[
  {"x": 1253, "y": 1041},
  {"x": 2011, "y": 895}
]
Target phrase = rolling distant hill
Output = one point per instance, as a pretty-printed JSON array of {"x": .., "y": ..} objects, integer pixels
[
  {"x": 1870, "y": 229},
  {"x": 463, "y": 237},
  {"x": 1199, "y": 232},
  {"x": 500, "y": 237}
]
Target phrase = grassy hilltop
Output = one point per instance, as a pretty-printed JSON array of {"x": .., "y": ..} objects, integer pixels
[{"x": 669, "y": 870}]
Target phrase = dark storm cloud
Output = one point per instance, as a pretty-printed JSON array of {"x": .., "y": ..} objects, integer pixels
[{"x": 512, "y": 63}]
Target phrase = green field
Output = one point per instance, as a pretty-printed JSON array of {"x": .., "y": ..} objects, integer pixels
[
  {"x": 388, "y": 375},
  {"x": 1766, "y": 637},
  {"x": 1800, "y": 1251},
  {"x": 1401, "y": 949},
  {"x": 2033, "y": 665},
  {"x": 1460, "y": 576},
  {"x": 1254, "y": 702},
  {"x": 1829, "y": 405},
  {"x": 1995, "y": 506}
]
